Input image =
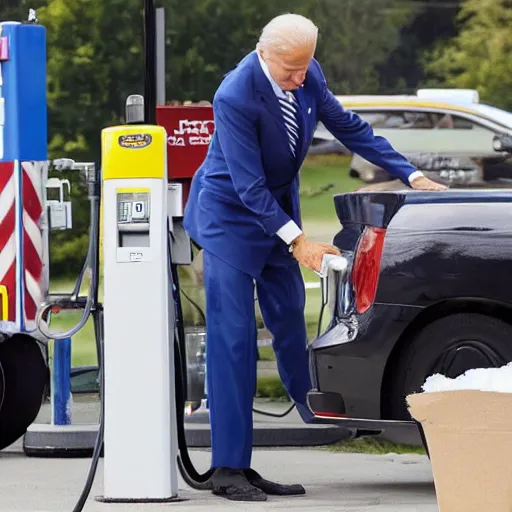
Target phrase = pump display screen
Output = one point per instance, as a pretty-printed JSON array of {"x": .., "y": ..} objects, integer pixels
[
  {"x": 133, "y": 207},
  {"x": 133, "y": 213}
]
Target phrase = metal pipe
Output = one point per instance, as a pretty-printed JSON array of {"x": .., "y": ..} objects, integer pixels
[
  {"x": 150, "y": 61},
  {"x": 160, "y": 56},
  {"x": 61, "y": 389}
]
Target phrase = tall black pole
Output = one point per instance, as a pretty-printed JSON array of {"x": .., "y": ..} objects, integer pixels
[{"x": 150, "y": 61}]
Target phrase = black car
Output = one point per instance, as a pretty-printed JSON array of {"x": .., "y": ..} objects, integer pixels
[{"x": 428, "y": 289}]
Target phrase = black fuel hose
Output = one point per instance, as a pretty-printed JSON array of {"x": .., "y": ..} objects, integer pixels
[
  {"x": 203, "y": 317},
  {"x": 98, "y": 445},
  {"x": 188, "y": 472},
  {"x": 196, "y": 480},
  {"x": 93, "y": 262},
  {"x": 91, "y": 307}
]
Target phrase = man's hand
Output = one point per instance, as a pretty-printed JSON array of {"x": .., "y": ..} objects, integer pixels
[
  {"x": 423, "y": 183},
  {"x": 310, "y": 254}
]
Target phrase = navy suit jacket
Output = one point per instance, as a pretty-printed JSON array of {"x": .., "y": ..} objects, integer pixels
[{"x": 247, "y": 188}]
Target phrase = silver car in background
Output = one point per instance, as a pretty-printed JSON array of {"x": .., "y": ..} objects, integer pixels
[{"x": 450, "y": 125}]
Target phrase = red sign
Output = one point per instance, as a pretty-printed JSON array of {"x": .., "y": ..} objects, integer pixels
[{"x": 189, "y": 132}]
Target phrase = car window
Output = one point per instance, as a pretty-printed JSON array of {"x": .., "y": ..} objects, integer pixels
[
  {"x": 456, "y": 122},
  {"x": 403, "y": 120},
  {"x": 375, "y": 119},
  {"x": 411, "y": 120},
  {"x": 461, "y": 123},
  {"x": 418, "y": 120},
  {"x": 453, "y": 122}
]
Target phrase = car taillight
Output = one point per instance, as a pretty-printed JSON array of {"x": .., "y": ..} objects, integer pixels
[{"x": 366, "y": 269}]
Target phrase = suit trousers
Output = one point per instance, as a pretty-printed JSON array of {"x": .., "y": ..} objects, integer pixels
[{"x": 231, "y": 350}]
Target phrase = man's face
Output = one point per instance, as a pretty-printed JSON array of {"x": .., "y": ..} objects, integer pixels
[{"x": 289, "y": 70}]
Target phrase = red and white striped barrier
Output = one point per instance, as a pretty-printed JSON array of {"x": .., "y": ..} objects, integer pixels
[
  {"x": 8, "y": 249},
  {"x": 22, "y": 244}
]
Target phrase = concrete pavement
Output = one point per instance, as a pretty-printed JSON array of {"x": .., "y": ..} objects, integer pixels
[{"x": 333, "y": 481}]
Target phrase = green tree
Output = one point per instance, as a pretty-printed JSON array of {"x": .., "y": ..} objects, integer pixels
[
  {"x": 13, "y": 10},
  {"x": 94, "y": 62},
  {"x": 356, "y": 36},
  {"x": 404, "y": 69},
  {"x": 208, "y": 37},
  {"x": 480, "y": 56}
]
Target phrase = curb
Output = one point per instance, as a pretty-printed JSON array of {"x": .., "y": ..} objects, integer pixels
[{"x": 42, "y": 440}]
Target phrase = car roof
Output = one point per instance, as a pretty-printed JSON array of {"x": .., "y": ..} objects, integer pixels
[
  {"x": 406, "y": 101},
  {"x": 454, "y": 100}
]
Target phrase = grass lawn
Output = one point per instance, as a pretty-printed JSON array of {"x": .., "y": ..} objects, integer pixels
[
  {"x": 84, "y": 348},
  {"x": 374, "y": 446},
  {"x": 321, "y": 178}
]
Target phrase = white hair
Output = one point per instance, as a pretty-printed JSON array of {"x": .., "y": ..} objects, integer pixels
[{"x": 286, "y": 32}]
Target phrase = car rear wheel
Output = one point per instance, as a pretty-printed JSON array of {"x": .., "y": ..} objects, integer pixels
[
  {"x": 25, "y": 377},
  {"x": 449, "y": 346}
]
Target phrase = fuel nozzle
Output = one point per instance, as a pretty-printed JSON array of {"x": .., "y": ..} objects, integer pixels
[
  {"x": 63, "y": 164},
  {"x": 88, "y": 170}
]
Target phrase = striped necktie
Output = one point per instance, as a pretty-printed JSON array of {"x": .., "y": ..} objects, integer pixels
[{"x": 290, "y": 109}]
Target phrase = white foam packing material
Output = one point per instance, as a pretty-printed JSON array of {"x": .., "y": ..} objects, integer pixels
[{"x": 483, "y": 379}]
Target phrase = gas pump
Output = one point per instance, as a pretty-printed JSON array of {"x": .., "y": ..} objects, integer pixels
[
  {"x": 138, "y": 261},
  {"x": 136, "y": 264}
]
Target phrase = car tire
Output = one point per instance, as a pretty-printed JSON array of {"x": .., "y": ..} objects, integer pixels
[
  {"x": 450, "y": 345},
  {"x": 484, "y": 340},
  {"x": 25, "y": 379}
]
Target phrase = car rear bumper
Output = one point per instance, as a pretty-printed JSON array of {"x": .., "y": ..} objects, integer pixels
[
  {"x": 328, "y": 408},
  {"x": 351, "y": 361}
]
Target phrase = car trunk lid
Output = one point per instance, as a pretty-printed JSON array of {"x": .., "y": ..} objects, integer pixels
[
  {"x": 365, "y": 217},
  {"x": 377, "y": 208}
]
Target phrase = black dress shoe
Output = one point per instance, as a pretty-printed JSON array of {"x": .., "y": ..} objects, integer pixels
[
  {"x": 273, "y": 488},
  {"x": 233, "y": 485}
]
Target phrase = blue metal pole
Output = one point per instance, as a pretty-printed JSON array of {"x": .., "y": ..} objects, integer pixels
[{"x": 61, "y": 382}]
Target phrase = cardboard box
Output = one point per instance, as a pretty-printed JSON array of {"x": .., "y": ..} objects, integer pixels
[{"x": 469, "y": 436}]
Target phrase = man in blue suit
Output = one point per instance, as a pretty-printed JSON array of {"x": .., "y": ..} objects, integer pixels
[{"x": 243, "y": 210}]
